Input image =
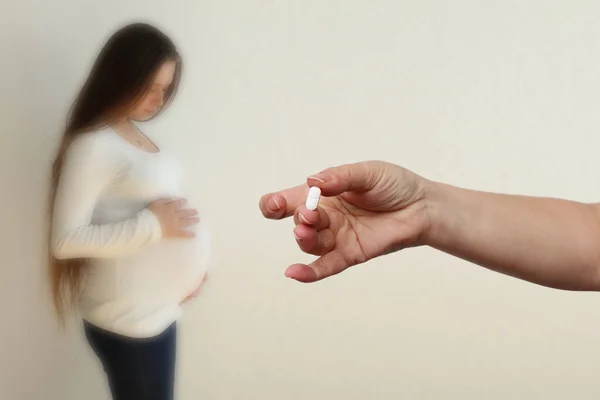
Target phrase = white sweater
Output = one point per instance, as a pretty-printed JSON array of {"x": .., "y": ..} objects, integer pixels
[{"x": 136, "y": 278}]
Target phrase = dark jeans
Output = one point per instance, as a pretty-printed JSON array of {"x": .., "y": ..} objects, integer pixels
[{"x": 137, "y": 369}]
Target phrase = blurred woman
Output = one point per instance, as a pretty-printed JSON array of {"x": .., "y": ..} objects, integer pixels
[{"x": 126, "y": 251}]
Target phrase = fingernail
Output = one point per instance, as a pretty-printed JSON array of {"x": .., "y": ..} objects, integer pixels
[
  {"x": 289, "y": 274},
  {"x": 273, "y": 204},
  {"x": 303, "y": 219},
  {"x": 322, "y": 177},
  {"x": 298, "y": 238}
]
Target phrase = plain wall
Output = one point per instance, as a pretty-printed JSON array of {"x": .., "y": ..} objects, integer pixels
[{"x": 499, "y": 96}]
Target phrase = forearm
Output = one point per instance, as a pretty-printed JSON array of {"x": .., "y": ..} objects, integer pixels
[
  {"x": 91, "y": 167},
  {"x": 547, "y": 241},
  {"x": 109, "y": 240}
]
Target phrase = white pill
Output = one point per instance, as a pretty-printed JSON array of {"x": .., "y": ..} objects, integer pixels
[{"x": 312, "y": 201}]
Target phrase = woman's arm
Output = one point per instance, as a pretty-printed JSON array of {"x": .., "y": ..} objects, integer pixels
[
  {"x": 547, "y": 241},
  {"x": 89, "y": 167}
]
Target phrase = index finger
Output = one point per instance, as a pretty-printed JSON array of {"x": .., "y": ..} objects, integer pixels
[{"x": 282, "y": 204}]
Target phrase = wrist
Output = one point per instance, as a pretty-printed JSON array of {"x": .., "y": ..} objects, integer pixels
[
  {"x": 440, "y": 214},
  {"x": 155, "y": 223}
]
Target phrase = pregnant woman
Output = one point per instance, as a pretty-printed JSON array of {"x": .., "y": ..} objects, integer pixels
[{"x": 126, "y": 250}]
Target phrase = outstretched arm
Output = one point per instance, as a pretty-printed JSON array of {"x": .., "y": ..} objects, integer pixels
[
  {"x": 372, "y": 208},
  {"x": 551, "y": 242}
]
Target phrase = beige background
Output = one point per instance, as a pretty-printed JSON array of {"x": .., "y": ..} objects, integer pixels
[{"x": 500, "y": 96}]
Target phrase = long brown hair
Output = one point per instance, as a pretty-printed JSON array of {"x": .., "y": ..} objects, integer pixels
[{"x": 118, "y": 80}]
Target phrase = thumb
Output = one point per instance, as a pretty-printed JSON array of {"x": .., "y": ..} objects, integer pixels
[{"x": 356, "y": 177}]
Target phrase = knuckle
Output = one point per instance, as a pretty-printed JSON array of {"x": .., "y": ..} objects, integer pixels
[{"x": 345, "y": 172}]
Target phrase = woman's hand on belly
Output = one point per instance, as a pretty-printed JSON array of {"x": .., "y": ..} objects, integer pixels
[
  {"x": 174, "y": 219},
  {"x": 196, "y": 292}
]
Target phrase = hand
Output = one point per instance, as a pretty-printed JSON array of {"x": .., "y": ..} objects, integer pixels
[
  {"x": 367, "y": 209},
  {"x": 196, "y": 292},
  {"x": 173, "y": 218}
]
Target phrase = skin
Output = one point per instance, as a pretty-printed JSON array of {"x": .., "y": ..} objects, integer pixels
[
  {"x": 155, "y": 98},
  {"x": 373, "y": 208},
  {"x": 196, "y": 292}
]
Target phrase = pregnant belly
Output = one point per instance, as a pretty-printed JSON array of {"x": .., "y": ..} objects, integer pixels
[
  {"x": 168, "y": 270},
  {"x": 188, "y": 259}
]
